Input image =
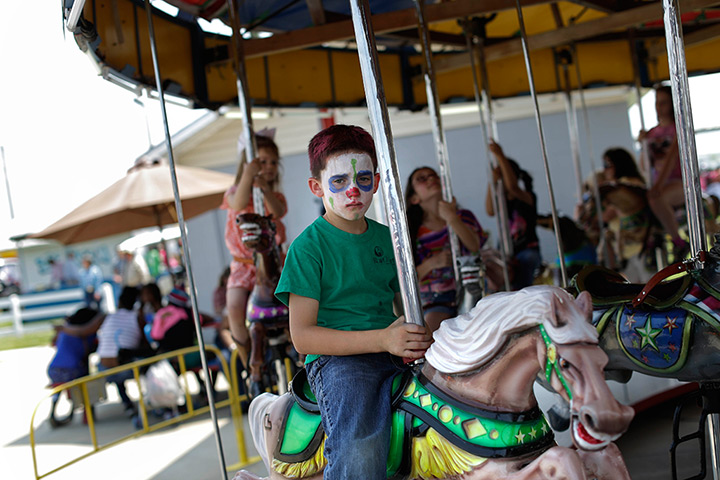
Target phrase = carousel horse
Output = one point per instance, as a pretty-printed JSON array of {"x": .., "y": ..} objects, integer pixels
[
  {"x": 650, "y": 328},
  {"x": 267, "y": 316},
  {"x": 469, "y": 412}
]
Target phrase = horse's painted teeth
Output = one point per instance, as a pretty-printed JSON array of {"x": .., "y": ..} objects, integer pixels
[{"x": 586, "y": 439}]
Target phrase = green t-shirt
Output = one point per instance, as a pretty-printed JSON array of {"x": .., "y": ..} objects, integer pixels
[{"x": 353, "y": 277}]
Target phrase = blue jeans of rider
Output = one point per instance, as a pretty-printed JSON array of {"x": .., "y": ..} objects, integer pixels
[{"x": 353, "y": 393}]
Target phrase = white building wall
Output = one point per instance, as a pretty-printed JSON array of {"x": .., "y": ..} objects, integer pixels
[{"x": 518, "y": 136}]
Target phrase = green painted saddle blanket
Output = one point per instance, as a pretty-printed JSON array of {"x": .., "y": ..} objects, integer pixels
[{"x": 418, "y": 406}]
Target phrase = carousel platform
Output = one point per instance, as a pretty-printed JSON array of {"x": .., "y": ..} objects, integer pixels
[{"x": 188, "y": 450}]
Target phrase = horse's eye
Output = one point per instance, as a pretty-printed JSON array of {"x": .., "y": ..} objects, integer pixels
[{"x": 564, "y": 364}]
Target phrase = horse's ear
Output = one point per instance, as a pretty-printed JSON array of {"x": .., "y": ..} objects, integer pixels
[
  {"x": 559, "y": 310},
  {"x": 584, "y": 303}
]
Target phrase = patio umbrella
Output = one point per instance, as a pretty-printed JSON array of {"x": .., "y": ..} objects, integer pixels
[{"x": 143, "y": 198}]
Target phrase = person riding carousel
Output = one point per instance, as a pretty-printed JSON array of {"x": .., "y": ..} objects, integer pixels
[
  {"x": 666, "y": 193},
  {"x": 429, "y": 217},
  {"x": 522, "y": 217},
  {"x": 340, "y": 283},
  {"x": 262, "y": 172},
  {"x": 624, "y": 195}
]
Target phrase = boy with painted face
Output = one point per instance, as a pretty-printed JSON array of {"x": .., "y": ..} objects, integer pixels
[{"x": 340, "y": 283}]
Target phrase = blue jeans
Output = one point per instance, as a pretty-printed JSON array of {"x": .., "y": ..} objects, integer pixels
[
  {"x": 528, "y": 264},
  {"x": 353, "y": 393},
  {"x": 90, "y": 300},
  {"x": 119, "y": 380}
]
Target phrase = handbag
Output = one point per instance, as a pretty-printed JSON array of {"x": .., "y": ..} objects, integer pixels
[{"x": 163, "y": 387}]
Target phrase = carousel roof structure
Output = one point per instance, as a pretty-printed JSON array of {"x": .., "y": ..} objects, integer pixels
[{"x": 301, "y": 53}]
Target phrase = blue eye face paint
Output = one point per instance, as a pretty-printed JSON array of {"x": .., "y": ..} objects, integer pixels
[
  {"x": 364, "y": 180},
  {"x": 338, "y": 183}
]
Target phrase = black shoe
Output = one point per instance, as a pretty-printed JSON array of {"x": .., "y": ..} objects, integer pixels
[{"x": 256, "y": 389}]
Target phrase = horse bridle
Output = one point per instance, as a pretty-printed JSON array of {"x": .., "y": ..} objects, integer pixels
[{"x": 552, "y": 361}]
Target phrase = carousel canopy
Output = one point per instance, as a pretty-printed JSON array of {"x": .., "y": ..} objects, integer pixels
[{"x": 302, "y": 52}]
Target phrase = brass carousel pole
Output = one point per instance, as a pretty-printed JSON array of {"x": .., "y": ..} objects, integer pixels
[
  {"x": 186, "y": 244},
  {"x": 689, "y": 165},
  {"x": 387, "y": 164},
  {"x": 543, "y": 147}
]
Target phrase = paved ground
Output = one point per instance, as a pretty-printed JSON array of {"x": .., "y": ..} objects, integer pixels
[
  {"x": 186, "y": 451},
  {"x": 189, "y": 451}
]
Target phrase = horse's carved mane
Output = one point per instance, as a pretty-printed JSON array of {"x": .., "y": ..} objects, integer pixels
[{"x": 472, "y": 339}]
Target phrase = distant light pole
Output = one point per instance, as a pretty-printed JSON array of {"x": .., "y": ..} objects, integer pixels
[{"x": 7, "y": 182}]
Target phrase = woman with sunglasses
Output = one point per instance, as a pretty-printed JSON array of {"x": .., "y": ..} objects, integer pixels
[{"x": 429, "y": 217}]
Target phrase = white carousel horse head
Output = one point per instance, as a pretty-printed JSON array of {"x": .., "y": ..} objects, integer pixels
[{"x": 474, "y": 338}]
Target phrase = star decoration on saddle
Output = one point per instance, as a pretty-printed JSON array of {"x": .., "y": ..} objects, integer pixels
[
  {"x": 671, "y": 323},
  {"x": 648, "y": 334},
  {"x": 630, "y": 321}
]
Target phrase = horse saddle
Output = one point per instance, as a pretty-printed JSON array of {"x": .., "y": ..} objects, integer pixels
[
  {"x": 417, "y": 406},
  {"x": 656, "y": 334},
  {"x": 607, "y": 287},
  {"x": 269, "y": 313}
]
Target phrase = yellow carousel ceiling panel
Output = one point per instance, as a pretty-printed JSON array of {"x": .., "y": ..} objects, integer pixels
[{"x": 197, "y": 64}]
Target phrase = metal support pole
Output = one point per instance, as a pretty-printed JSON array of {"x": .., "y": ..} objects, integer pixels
[
  {"x": 186, "y": 244},
  {"x": 543, "y": 148},
  {"x": 501, "y": 224},
  {"x": 491, "y": 123},
  {"x": 441, "y": 152},
  {"x": 492, "y": 132},
  {"x": 7, "y": 183},
  {"x": 387, "y": 164},
  {"x": 689, "y": 165},
  {"x": 645, "y": 163},
  {"x": 591, "y": 154},
  {"x": 684, "y": 125},
  {"x": 74, "y": 15},
  {"x": 244, "y": 100},
  {"x": 573, "y": 132}
]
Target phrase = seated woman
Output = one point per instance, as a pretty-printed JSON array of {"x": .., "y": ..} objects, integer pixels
[
  {"x": 429, "y": 217},
  {"x": 120, "y": 330}
]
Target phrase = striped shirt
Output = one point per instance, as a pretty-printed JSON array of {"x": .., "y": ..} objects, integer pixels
[
  {"x": 432, "y": 242},
  {"x": 119, "y": 330}
]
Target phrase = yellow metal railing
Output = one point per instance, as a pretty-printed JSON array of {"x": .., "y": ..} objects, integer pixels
[{"x": 81, "y": 384}]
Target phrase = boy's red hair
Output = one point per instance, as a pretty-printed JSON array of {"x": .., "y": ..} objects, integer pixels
[{"x": 339, "y": 139}]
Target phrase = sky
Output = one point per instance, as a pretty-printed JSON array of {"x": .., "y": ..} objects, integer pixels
[{"x": 67, "y": 134}]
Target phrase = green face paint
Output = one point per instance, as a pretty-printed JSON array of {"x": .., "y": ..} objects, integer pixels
[{"x": 332, "y": 203}]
